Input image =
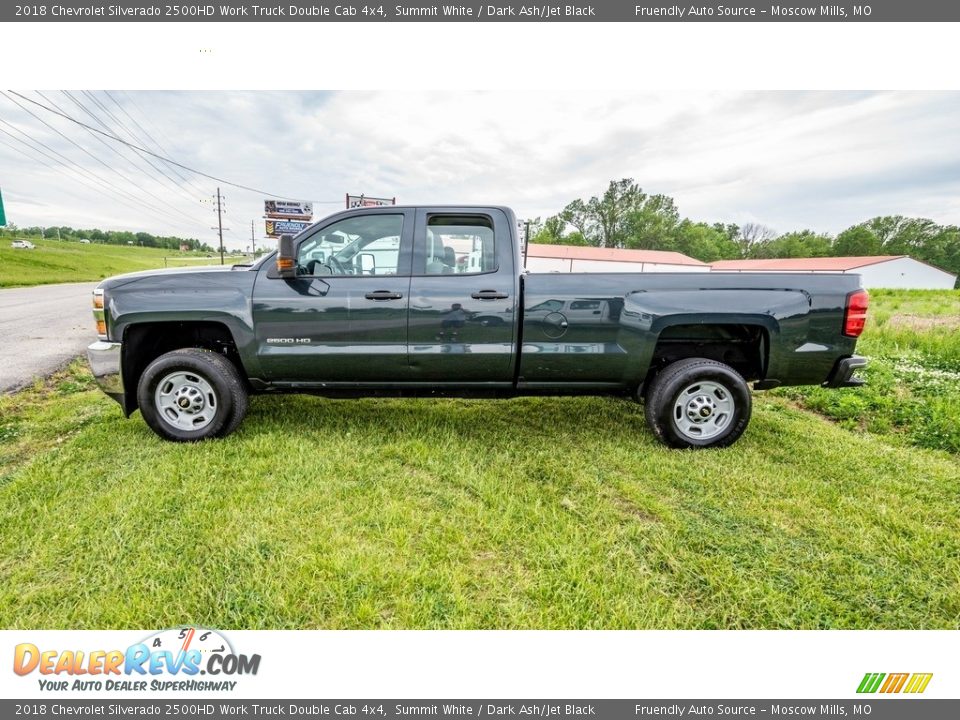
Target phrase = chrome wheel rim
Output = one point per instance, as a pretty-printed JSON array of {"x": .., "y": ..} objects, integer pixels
[
  {"x": 186, "y": 401},
  {"x": 703, "y": 410}
]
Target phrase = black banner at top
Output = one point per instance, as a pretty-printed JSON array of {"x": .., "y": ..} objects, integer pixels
[{"x": 473, "y": 11}]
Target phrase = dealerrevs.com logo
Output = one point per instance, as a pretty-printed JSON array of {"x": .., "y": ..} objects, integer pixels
[{"x": 169, "y": 660}]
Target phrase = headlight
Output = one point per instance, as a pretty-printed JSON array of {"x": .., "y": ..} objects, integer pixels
[{"x": 98, "y": 314}]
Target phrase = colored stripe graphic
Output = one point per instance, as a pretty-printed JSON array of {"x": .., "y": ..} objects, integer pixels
[
  {"x": 918, "y": 683},
  {"x": 870, "y": 682},
  {"x": 894, "y": 682}
]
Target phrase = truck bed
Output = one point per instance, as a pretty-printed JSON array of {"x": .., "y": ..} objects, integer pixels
[{"x": 623, "y": 320}]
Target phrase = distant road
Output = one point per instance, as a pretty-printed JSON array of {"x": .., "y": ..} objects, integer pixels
[{"x": 41, "y": 329}]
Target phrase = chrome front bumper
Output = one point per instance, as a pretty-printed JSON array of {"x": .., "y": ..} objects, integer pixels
[{"x": 104, "y": 359}]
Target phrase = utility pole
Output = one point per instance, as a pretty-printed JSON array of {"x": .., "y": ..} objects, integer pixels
[
  {"x": 220, "y": 225},
  {"x": 526, "y": 243},
  {"x": 253, "y": 241}
]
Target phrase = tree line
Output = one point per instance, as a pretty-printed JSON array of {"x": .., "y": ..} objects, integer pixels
[
  {"x": 106, "y": 237},
  {"x": 624, "y": 216}
]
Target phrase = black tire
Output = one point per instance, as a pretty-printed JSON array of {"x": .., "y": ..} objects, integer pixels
[
  {"x": 710, "y": 390},
  {"x": 211, "y": 386}
]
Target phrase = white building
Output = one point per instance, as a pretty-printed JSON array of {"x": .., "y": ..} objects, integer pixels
[
  {"x": 878, "y": 271},
  {"x": 577, "y": 258}
]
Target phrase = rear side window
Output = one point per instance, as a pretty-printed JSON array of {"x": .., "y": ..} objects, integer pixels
[{"x": 459, "y": 245}]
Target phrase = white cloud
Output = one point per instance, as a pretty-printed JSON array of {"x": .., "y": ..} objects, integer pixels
[{"x": 790, "y": 160}]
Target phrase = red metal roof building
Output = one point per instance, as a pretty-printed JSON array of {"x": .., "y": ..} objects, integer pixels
[
  {"x": 876, "y": 271},
  {"x": 578, "y": 258}
]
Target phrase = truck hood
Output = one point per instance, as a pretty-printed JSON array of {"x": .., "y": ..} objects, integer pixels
[{"x": 200, "y": 270}]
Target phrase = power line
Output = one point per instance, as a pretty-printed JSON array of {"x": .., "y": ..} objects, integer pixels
[
  {"x": 22, "y": 152},
  {"x": 89, "y": 172},
  {"x": 83, "y": 173},
  {"x": 166, "y": 159},
  {"x": 161, "y": 148},
  {"x": 138, "y": 169},
  {"x": 100, "y": 122},
  {"x": 142, "y": 130},
  {"x": 125, "y": 129},
  {"x": 96, "y": 137},
  {"x": 75, "y": 179},
  {"x": 46, "y": 164}
]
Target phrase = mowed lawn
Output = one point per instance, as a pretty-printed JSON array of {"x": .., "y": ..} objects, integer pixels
[
  {"x": 528, "y": 513},
  {"x": 54, "y": 261}
]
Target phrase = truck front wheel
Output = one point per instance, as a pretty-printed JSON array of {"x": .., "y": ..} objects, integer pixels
[
  {"x": 192, "y": 394},
  {"x": 698, "y": 403}
]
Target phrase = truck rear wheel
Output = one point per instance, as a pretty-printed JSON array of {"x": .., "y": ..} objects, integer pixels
[
  {"x": 698, "y": 403},
  {"x": 192, "y": 394}
]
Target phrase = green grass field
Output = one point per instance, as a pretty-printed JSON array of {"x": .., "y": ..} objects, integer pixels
[
  {"x": 56, "y": 261},
  {"x": 528, "y": 513},
  {"x": 913, "y": 390}
]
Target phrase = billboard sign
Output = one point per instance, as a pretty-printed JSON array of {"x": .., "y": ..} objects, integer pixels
[
  {"x": 288, "y": 209},
  {"x": 276, "y": 228},
  {"x": 359, "y": 201}
]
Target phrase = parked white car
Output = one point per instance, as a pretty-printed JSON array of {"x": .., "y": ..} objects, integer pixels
[{"x": 23, "y": 244}]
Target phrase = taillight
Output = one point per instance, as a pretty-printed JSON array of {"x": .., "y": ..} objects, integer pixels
[{"x": 855, "y": 314}]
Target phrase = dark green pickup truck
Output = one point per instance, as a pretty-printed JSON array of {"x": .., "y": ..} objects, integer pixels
[{"x": 434, "y": 301}]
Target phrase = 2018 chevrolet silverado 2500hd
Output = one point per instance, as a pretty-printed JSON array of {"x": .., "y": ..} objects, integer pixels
[{"x": 434, "y": 301}]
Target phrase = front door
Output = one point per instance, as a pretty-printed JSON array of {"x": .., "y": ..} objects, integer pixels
[
  {"x": 463, "y": 297},
  {"x": 344, "y": 317}
]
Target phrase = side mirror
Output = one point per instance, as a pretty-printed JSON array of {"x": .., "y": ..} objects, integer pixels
[
  {"x": 286, "y": 261},
  {"x": 368, "y": 264}
]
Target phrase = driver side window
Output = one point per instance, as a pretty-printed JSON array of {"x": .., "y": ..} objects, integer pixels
[{"x": 361, "y": 245}]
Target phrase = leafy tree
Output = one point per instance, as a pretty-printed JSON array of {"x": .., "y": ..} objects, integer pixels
[
  {"x": 805, "y": 243},
  {"x": 626, "y": 217},
  {"x": 653, "y": 225},
  {"x": 554, "y": 226},
  {"x": 704, "y": 242},
  {"x": 549, "y": 232},
  {"x": 899, "y": 235},
  {"x": 753, "y": 234},
  {"x": 603, "y": 221},
  {"x": 857, "y": 240}
]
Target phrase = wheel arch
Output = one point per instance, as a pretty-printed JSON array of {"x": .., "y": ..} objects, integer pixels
[
  {"x": 742, "y": 343},
  {"x": 146, "y": 341}
]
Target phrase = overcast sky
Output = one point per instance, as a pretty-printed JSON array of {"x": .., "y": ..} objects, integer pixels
[{"x": 789, "y": 160}]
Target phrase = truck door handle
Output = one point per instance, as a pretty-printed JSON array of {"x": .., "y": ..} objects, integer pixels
[
  {"x": 383, "y": 295},
  {"x": 489, "y": 295}
]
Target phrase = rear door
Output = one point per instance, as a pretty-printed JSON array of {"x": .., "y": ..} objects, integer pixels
[
  {"x": 463, "y": 297},
  {"x": 344, "y": 317}
]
